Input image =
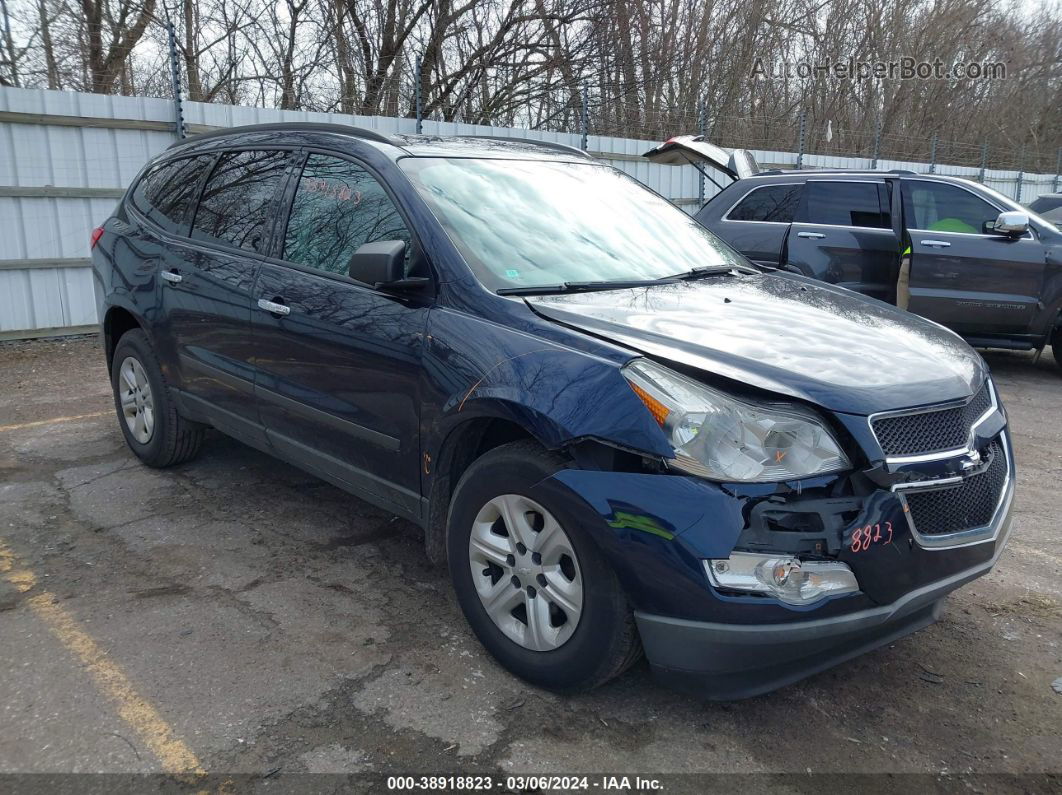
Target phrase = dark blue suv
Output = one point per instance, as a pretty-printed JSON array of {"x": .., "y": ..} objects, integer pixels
[{"x": 618, "y": 433}]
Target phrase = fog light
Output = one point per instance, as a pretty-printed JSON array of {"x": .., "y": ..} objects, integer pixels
[{"x": 785, "y": 578}]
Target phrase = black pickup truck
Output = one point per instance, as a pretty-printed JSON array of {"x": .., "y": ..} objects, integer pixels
[{"x": 949, "y": 249}]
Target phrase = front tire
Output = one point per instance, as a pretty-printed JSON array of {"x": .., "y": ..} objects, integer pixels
[
  {"x": 533, "y": 586},
  {"x": 147, "y": 414},
  {"x": 1056, "y": 346}
]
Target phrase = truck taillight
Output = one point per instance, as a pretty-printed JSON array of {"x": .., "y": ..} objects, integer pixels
[{"x": 97, "y": 233}]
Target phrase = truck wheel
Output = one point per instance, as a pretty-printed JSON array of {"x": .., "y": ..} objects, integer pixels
[
  {"x": 533, "y": 586},
  {"x": 1056, "y": 346},
  {"x": 153, "y": 429}
]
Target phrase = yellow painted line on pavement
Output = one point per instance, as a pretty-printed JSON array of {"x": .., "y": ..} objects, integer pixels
[
  {"x": 53, "y": 421},
  {"x": 137, "y": 712}
]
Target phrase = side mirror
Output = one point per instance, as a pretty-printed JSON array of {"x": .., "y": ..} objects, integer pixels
[
  {"x": 1011, "y": 224},
  {"x": 379, "y": 263}
]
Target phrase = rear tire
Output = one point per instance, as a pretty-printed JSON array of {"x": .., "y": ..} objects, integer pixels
[
  {"x": 1056, "y": 346},
  {"x": 147, "y": 414},
  {"x": 557, "y": 616}
]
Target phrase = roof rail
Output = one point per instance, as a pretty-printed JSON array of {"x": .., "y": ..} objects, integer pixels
[
  {"x": 290, "y": 126},
  {"x": 546, "y": 144},
  {"x": 832, "y": 170}
]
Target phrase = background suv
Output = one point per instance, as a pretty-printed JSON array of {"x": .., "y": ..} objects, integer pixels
[
  {"x": 1049, "y": 207},
  {"x": 996, "y": 287}
]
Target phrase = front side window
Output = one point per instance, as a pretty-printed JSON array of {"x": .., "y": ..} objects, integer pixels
[
  {"x": 238, "y": 199},
  {"x": 338, "y": 207},
  {"x": 531, "y": 223},
  {"x": 167, "y": 192},
  {"x": 939, "y": 207},
  {"x": 776, "y": 203},
  {"x": 846, "y": 204}
]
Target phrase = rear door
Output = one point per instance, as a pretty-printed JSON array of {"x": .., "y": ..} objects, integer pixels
[
  {"x": 961, "y": 277},
  {"x": 844, "y": 235},
  {"x": 206, "y": 295},
  {"x": 338, "y": 366},
  {"x": 757, "y": 222}
]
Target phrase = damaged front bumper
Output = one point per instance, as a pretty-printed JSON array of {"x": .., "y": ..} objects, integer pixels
[
  {"x": 732, "y": 661},
  {"x": 657, "y": 531}
]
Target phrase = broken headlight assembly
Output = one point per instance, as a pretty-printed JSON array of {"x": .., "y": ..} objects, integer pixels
[
  {"x": 783, "y": 577},
  {"x": 720, "y": 437}
]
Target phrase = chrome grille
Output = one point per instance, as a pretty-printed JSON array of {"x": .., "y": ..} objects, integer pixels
[
  {"x": 931, "y": 431},
  {"x": 966, "y": 506}
]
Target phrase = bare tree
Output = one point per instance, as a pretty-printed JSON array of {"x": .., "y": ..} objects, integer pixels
[{"x": 650, "y": 68}]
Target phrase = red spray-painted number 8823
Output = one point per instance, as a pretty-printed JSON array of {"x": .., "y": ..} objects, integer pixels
[{"x": 864, "y": 537}]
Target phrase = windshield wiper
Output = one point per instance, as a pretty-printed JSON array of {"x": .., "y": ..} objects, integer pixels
[
  {"x": 582, "y": 287},
  {"x": 700, "y": 273}
]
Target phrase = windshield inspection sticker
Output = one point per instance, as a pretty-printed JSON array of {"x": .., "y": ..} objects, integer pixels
[{"x": 512, "y": 274}]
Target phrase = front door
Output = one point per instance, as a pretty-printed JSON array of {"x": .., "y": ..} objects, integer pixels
[
  {"x": 337, "y": 361},
  {"x": 844, "y": 236},
  {"x": 975, "y": 283}
]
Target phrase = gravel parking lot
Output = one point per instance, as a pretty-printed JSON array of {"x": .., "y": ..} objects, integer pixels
[{"x": 234, "y": 615}]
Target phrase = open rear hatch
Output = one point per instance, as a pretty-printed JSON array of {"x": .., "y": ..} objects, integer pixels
[{"x": 693, "y": 150}]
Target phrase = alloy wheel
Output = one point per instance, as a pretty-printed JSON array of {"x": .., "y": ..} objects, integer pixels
[
  {"x": 526, "y": 573},
  {"x": 138, "y": 406}
]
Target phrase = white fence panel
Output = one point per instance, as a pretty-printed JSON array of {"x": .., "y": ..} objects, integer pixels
[{"x": 66, "y": 157}]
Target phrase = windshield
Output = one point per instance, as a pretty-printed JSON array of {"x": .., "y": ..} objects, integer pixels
[{"x": 530, "y": 223}]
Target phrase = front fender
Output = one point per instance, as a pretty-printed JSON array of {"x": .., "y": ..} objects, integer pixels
[{"x": 558, "y": 394}]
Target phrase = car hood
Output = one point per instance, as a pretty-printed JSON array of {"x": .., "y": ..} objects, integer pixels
[{"x": 786, "y": 334}]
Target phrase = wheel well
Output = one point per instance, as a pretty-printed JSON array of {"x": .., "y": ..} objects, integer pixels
[
  {"x": 117, "y": 322},
  {"x": 464, "y": 445}
]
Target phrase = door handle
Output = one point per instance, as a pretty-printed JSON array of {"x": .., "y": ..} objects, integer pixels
[
  {"x": 811, "y": 235},
  {"x": 275, "y": 308},
  {"x": 936, "y": 243},
  {"x": 171, "y": 276}
]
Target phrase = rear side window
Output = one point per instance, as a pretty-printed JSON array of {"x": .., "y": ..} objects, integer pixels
[
  {"x": 776, "y": 203},
  {"x": 238, "y": 199},
  {"x": 939, "y": 207},
  {"x": 847, "y": 204},
  {"x": 338, "y": 207},
  {"x": 167, "y": 192}
]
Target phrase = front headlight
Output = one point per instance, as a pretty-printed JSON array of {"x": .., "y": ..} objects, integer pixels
[{"x": 722, "y": 438}]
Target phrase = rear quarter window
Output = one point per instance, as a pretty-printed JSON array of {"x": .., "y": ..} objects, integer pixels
[{"x": 166, "y": 193}]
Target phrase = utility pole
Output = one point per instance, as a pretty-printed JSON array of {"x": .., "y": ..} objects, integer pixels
[
  {"x": 984, "y": 162},
  {"x": 933, "y": 154},
  {"x": 800, "y": 141}
]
